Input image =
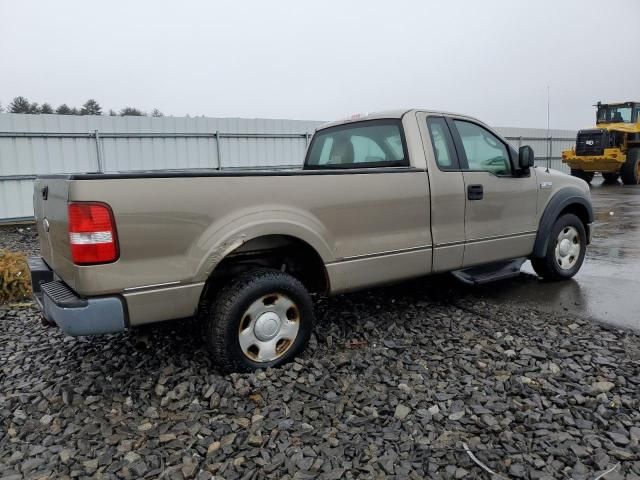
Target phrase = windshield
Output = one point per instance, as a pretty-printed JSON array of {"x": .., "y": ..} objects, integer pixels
[{"x": 615, "y": 114}]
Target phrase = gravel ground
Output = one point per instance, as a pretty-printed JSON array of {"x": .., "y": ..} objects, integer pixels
[
  {"x": 19, "y": 238},
  {"x": 394, "y": 383}
]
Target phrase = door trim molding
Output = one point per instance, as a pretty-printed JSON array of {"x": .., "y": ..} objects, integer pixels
[
  {"x": 484, "y": 239},
  {"x": 383, "y": 254}
]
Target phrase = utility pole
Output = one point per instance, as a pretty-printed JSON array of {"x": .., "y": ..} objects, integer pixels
[{"x": 549, "y": 148}]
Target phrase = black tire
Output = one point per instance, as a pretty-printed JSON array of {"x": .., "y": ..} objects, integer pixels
[
  {"x": 548, "y": 267},
  {"x": 630, "y": 171},
  {"x": 586, "y": 176},
  {"x": 610, "y": 177},
  {"x": 224, "y": 313}
]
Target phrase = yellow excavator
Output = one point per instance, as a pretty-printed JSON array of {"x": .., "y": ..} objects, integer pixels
[{"x": 612, "y": 148}]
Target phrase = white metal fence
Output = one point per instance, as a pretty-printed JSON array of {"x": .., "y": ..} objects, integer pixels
[
  {"x": 33, "y": 145},
  {"x": 547, "y": 145}
]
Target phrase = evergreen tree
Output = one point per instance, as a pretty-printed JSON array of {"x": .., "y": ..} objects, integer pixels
[
  {"x": 46, "y": 108},
  {"x": 1, "y": 109},
  {"x": 74, "y": 111},
  {"x": 34, "y": 108},
  {"x": 63, "y": 110},
  {"x": 131, "y": 112},
  {"x": 91, "y": 107},
  {"x": 20, "y": 105}
]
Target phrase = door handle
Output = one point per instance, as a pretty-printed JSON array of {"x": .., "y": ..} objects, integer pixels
[{"x": 475, "y": 192}]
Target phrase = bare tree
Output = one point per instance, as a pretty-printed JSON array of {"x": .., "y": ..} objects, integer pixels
[
  {"x": 20, "y": 105},
  {"x": 156, "y": 113}
]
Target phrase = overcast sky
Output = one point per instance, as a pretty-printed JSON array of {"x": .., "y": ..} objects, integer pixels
[{"x": 325, "y": 59}]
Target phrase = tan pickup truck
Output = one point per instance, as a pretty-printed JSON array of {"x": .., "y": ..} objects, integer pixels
[{"x": 380, "y": 198}]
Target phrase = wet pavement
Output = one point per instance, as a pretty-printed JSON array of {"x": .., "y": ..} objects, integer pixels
[{"x": 607, "y": 288}]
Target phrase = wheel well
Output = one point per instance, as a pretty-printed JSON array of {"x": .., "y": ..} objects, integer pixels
[
  {"x": 280, "y": 252},
  {"x": 579, "y": 211}
]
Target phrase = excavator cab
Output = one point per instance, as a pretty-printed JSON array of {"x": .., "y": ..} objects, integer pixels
[{"x": 618, "y": 113}]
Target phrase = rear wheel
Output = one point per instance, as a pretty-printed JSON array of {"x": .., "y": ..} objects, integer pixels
[
  {"x": 586, "y": 176},
  {"x": 630, "y": 171},
  {"x": 566, "y": 247},
  {"x": 610, "y": 177},
  {"x": 262, "y": 318}
]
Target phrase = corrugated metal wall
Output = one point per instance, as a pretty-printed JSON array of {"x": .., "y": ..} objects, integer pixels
[
  {"x": 546, "y": 145},
  {"x": 39, "y": 144}
]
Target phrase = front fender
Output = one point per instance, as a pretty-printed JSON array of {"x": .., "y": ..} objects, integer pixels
[{"x": 564, "y": 198}]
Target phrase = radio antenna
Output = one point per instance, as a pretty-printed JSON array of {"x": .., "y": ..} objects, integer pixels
[{"x": 549, "y": 147}]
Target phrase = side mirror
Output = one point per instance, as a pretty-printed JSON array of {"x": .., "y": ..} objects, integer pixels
[{"x": 525, "y": 157}]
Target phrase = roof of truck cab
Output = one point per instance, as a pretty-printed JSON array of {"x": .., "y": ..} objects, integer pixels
[{"x": 397, "y": 113}]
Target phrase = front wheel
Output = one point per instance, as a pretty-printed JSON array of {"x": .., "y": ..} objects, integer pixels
[
  {"x": 566, "y": 247},
  {"x": 262, "y": 318},
  {"x": 630, "y": 171},
  {"x": 586, "y": 176}
]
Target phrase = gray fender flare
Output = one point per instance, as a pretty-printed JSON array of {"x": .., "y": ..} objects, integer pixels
[{"x": 561, "y": 200}]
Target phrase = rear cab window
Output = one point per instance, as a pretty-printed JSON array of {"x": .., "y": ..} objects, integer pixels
[{"x": 367, "y": 144}]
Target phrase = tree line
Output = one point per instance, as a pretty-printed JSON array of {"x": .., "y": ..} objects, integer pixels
[{"x": 90, "y": 107}]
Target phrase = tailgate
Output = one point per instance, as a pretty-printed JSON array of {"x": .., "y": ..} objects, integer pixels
[{"x": 50, "y": 198}]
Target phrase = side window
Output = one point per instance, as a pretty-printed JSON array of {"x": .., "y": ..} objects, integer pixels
[
  {"x": 484, "y": 151},
  {"x": 373, "y": 143},
  {"x": 442, "y": 143}
]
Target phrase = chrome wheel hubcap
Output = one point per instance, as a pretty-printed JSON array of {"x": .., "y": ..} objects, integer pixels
[
  {"x": 567, "y": 248},
  {"x": 269, "y": 327}
]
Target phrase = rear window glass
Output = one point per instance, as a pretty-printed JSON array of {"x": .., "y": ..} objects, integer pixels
[{"x": 376, "y": 143}]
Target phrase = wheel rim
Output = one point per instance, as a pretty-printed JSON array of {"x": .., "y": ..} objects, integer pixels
[
  {"x": 269, "y": 327},
  {"x": 568, "y": 248}
]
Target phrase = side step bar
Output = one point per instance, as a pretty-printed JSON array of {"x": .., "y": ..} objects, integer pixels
[{"x": 490, "y": 273}]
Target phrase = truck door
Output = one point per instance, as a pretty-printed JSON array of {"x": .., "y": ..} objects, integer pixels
[
  {"x": 500, "y": 206},
  {"x": 447, "y": 199}
]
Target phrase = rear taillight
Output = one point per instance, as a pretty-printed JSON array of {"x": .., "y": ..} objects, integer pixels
[{"x": 92, "y": 233}]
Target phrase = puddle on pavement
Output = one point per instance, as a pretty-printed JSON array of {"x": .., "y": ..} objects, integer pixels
[{"x": 607, "y": 288}]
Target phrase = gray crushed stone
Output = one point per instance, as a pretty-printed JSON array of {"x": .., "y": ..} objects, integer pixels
[{"x": 534, "y": 395}]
